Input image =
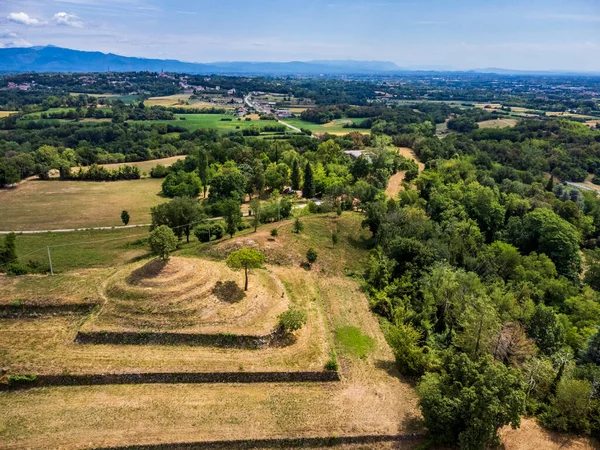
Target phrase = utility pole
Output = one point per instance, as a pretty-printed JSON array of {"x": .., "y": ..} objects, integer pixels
[{"x": 50, "y": 260}]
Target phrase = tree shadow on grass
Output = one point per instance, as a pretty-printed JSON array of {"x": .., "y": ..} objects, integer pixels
[
  {"x": 151, "y": 269},
  {"x": 361, "y": 243},
  {"x": 139, "y": 258},
  {"x": 228, "y": 291},
  {"x": 392, "y": 370}
]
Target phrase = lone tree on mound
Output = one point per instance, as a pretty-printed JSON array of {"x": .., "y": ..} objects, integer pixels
[
  {"x": 163, "y": 241},
  {"x": 245, "y": 258}
]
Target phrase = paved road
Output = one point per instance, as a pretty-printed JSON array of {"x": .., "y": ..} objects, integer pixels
[
  {"x": 258, "y": 108},
  {"x": 583, "y": 186}
]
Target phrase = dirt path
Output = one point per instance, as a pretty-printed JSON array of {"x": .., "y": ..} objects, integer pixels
[{"x": 395, "y": 184}]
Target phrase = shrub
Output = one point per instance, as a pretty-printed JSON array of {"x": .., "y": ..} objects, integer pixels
[
  {"x": 331, "y": 363},
  {"x": 313, "y": 208},
  {"x": 159, "y": 171},
  {"x": 17, "y": 268},
  {"x": 335, "y": 238},
  {"x": 208, "y": 231},
  {"x": 274, "y": 232},
  {"x": 298, "y": 226},
  {"x": 292, "y": 320},
  {"x": 163, "y": 241},
  {"x": 21, "y": 380},
  {"x": 218, "y": 230},
  {"x": 203, "y": 232},
  {"x": 568, "y": 410},
  {"x": 311, "y": 255}
]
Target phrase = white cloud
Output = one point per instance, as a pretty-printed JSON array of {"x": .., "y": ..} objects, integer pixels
[
  {"x": 8, "y": 35},
  {"x": 67, "y": 20},
  {"x": 16, "y": 43},
  {"x": 24, "y": 19}
]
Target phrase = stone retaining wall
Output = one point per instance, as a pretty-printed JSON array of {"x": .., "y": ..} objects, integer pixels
[
  {"x": 16, "y": 311},
  {"x": 167, "y": 338},
  {"x": 309, "y": 442},
  {"x": 175, "y": 377}
]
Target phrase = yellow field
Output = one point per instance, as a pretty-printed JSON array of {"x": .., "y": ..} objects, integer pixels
[
  {"x": 144, "y": 166},
  {"x": 35, "y": 204},
  {"x": 567, "y": 114},
  {"x": 497, "y": 123},
  {"x": 6, "y": 113},
  {"x": 174, "y": 100}
]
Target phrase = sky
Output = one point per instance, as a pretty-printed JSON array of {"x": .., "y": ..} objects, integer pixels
[{"x": 414, "y": 34}]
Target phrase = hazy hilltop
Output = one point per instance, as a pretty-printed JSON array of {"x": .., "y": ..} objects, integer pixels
[{"x": 56, "y": 59}]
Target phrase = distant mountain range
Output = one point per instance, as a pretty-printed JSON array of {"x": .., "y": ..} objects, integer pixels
[{"x": 56, "y": 59}]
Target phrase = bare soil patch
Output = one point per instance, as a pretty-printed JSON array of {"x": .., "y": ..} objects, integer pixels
[
  {"x": 497, "y": 123},
  {"x": 532, "y": 436},
  {"x": 395, "y": 184}
]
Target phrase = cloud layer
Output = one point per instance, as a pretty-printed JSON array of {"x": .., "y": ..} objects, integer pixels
[
  {"x": 67, "y": 20},
  {"x": 60, "y": 18},
  {"x": 24, "y": 19}
]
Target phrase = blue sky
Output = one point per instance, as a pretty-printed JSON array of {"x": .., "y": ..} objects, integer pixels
[{"x": 445, "y": 34}]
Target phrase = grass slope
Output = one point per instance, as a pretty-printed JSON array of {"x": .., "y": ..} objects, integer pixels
[
  {"x": 371, "y": 399},
  {"x": 36, "y": 204}
]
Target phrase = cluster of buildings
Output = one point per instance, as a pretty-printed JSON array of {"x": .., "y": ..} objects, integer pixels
[{"x": 20, "y": 87}]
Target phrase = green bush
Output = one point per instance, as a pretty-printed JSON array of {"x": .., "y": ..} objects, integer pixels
[
  {"x": 21, "y": 380},
  {"x": 292, "y": 320},
  {"x": 203, "y": 232},
  {"x": 568, "y": 410},
  {"x": 17, "y": 269},
  {"x": 331, "y": 363},
  {"x": 163, "y": 241},
  {"x": 209, "y": 231},
  {"x": 311, "y": 255},
  {"x": 159, "y": 171},
  {"x": 298, "y": 226},
  {"x": 274, "y": 232}
]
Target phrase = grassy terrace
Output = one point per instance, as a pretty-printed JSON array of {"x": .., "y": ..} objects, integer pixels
[{"x": 370, "y": 399}]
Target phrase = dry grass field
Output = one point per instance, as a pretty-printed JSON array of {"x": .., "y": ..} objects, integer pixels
[
  {"x": 6, "y": 113},
  {"x": 144, "y": 166},
  {"x": 497, "y": 123},
  {"x": 371, "y": 399},
  {"x": 56, "y": 204},
  {"x": 183, "y": 296},
  {"x": 531, "y": 436},
  {"x": 175, "y": 100}
]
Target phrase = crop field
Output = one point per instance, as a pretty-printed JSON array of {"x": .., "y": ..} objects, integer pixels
[
  {"x": 197, "y": 121},
  {"x": 144, "y": 166},
  {"x": 568, "y": 114},
  {"x": 497, "y": 123},
  {"x": 333, "y": 127},
  {"x": 36, "y": 204},
  {"x": 184, "y": 101},
  {"x": 6, "y": 113}
]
